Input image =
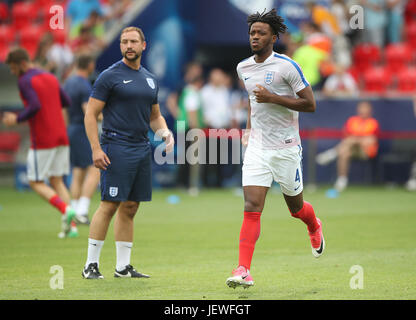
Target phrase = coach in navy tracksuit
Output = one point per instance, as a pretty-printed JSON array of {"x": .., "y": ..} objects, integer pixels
[{"x": 126, "y": 94}]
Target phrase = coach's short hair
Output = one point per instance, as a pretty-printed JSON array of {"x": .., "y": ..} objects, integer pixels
[
  {"x": 17, "y": 55},
  {"x": 83, "y": 61},
  {"x": 128, "y": 29}
]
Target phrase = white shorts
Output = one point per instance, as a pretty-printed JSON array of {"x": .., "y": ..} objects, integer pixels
[
  {"x": 45, "y": 163},
  {"x": 261, "y": 167}
]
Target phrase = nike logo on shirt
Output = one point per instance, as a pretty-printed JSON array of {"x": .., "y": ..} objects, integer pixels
[
  {"x": 297, "y": 187},
  {"x": 127, "y": 81},
  {"x": 246, "y": 78}
]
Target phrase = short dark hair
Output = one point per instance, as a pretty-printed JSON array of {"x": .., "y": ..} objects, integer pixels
[
  {"x": 17, "y": 55},
  {"x": 84, "y": 60},
  {"x": 275, "y": 21},
  {"x": 137, "y": 29}
]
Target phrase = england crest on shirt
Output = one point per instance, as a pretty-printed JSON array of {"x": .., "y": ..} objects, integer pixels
[
  {"x": 113, "y": 191},
  {"x": 151, "y": 83},
  {"x": 268, "y": 77}
]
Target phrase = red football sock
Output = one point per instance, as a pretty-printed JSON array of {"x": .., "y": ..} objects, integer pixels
[
  {"x": 58, "y": 203},
  {"x": 307, "y": 215},
  {"x": 250, "y": 232}
]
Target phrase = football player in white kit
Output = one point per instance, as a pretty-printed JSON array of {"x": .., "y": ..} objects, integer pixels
[{"x": 278, "y": 91}]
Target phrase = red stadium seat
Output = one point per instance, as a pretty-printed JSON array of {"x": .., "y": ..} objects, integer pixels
[
  {"x": 398, "y": 56},
  {"x": 59, "y": 36},
  {"x": 7, "y": 34},
  {"x": 30, "y": 38},
  {"x": 4, "y": 11},
  {"x": 23, "y": 14},
  {"x": 366, "y": 55},
  {"x": 406, "y": 81},
  {"x": 410, "y": 32},
  {"x": 7, "y": 37},
  {"x": 377, "y": 80}
]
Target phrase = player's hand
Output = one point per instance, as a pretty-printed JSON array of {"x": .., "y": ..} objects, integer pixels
[
  {"x": 100, "y": 159},
  {"x": 245, "y": 137},
  {"x": 262, "y": 94},
  {"x": 167, "y": 136},
  {"x": 9, "y": 119}
]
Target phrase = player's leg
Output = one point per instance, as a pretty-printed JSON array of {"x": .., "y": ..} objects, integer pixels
[
  {"x": 257, "y": 179},
  {"x": 98, "y": 231},
  {"x": 57, "y": 183},
  {"x": 89, "y": 186},
  {"x": 39, "y": 164},
  {"x": 289, "y": 174},
  {"x": 78, "y": 175},
  {"x": 254, "y": 198},
  {"x": 304, "y": 211}
]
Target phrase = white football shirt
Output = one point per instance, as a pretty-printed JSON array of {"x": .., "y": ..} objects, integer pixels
[{"x": 273, "y": 126}]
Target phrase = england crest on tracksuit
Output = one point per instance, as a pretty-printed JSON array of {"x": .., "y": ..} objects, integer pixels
[
  {"x": 151, "y": 83},
  {"x": 113, "y": 191},
  {"x": 268, "y": 77}
]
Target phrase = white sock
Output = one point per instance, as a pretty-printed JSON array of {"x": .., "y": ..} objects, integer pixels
[
  {"x": 94, "y": 250},
  {"x": 74, "y": 204},
  {"x": 123, "y": 250},
  {"x": 83, "y": 206}
]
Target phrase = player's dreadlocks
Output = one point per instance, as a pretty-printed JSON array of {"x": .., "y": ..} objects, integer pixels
[{"x": 271, "y": 18}]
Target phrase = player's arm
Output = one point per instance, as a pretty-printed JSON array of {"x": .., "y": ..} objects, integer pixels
[
  {"x": 305, "y": 102},
  {"x": 32, "y": 106},
  {"x": 92, "y": 112},
  {"x": 159, "y": 126}
]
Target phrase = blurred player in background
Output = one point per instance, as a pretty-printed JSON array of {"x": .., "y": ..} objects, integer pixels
[
  {"x": 361, "y": 141},
  {"x": 278, "y": 91},
  {"x": 48, "y": 156},
  {"x": 85, "y": 176},
  {"x": 127, "y": 95}
]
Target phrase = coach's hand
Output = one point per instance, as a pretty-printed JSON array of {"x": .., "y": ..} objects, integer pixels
[
  {"x": 262, "y": 94},
  {"x": 100, "y": 159},
  {"x": 167, "y": 136}
]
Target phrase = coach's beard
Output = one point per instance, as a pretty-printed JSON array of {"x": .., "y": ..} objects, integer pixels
[{"x": 136, "y": 56}]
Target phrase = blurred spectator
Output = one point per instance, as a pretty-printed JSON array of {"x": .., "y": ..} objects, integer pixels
[
  {"x": 41, "y": 56},
  {"x": 217, "y": 115},
  {"x": 340, "y": 83},
  {"x": 190, "y": 113},
  {"x": 79, "y": 11},
  {"x": 360, "y": 141},
  {"x": 55, "y": 57},
  {"x": 115, "y": 9},
  {"x": 410, "y": 11},
  {"x": 324, "y": 18},
  {"x": 61, "y": 56},
  {"x": 216, "y": 101},
  {"x": 313, "y": 54},
  {"x": 86, "y": 42},
  {"x": 193, "y": 70},
  {"x": 94, "y": 23},
  {"x": 375, "y": 20},
  {"x": 395, "y": 20}
]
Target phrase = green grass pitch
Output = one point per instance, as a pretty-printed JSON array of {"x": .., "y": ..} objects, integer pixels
[{"x": 190, "y": 248}]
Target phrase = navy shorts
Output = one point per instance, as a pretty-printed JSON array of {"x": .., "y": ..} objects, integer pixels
[
  {"x": 129, "y": 176},
  {"x": 80, "y": 148}
]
